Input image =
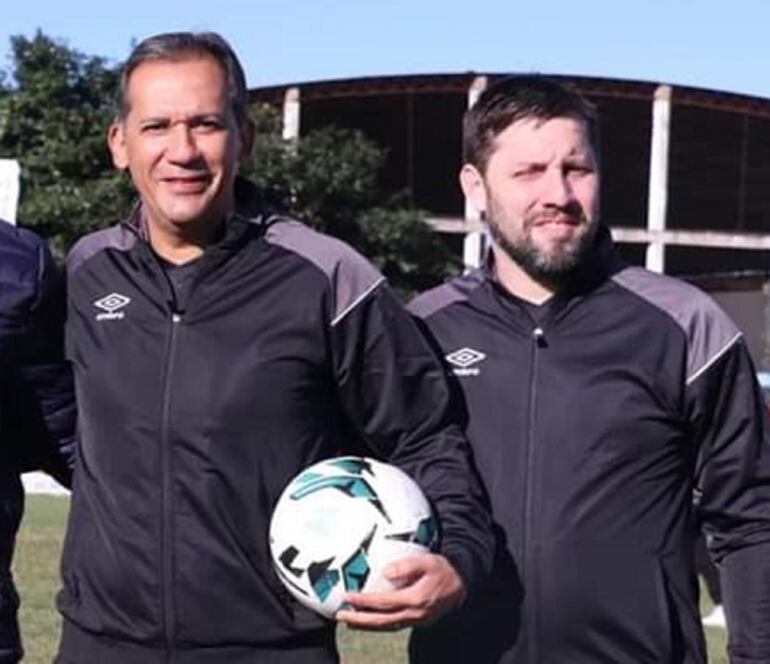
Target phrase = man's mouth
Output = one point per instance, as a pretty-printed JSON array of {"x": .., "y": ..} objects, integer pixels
[
  {"x": 561, "y": 220},
  {"x": 188, "y": 184}
]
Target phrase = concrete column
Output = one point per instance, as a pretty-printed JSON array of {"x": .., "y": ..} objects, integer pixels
[
  {"x": 744, "y": 169},
  {"x": 9, "y": 189},
  {"x": 475, "y": 242},
  {"x": 474, "y": 246},
  {"x": 764, "y": 350},
  {"x": 291, "y": 114},
  {"x": 658, "y": 192}
]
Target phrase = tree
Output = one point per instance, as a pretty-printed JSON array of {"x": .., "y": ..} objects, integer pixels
[
  {"x": 54, "y": 112},
  {"x": 329, "y": 179}
]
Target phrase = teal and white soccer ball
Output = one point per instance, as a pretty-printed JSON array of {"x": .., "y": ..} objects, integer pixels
[{"x": 340, "y": 522}]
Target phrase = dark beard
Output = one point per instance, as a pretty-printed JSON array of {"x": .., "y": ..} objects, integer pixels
[{"x": 551, "y": 270}]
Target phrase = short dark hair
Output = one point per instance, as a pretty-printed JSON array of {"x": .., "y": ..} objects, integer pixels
[
  {"x": 174, "y": 46},
  {"x": 516, "y": 98}
]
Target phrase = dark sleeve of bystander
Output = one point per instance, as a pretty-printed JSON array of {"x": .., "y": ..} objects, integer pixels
[
  {"x": 726, "y": 409},
  {"x": 38, "y": 399}
]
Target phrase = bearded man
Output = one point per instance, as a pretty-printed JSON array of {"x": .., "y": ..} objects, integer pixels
[{"x": 600, "y": 399}]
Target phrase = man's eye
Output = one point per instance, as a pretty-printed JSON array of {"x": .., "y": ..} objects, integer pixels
[
  {"x": 527, "y": 172},
  {"x": 153, "y": 128},
  {"x": 205, "y": 126},
  {"x": 579, "y": 169}
]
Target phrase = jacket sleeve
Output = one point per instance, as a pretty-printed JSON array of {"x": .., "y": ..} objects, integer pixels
[
  {"x": 40, "y": 393},
  {"x": 729, "y": 418},
  {"x": 394, "y": 390}
]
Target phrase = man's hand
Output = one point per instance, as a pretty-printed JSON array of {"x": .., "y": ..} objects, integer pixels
[{"x": 427, "y": 587}]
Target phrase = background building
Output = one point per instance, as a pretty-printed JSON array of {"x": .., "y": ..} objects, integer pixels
[{"x": 686, "y": 184}]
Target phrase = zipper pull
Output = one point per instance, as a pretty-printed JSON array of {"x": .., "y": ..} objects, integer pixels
[
  {"x": 175, "y": 317},
  {"x": 538, "y": 335}
]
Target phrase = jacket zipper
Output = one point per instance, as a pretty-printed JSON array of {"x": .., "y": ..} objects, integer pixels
[
  {"x": 166, "y": 498},
  {"x": 530, "y": 554}
]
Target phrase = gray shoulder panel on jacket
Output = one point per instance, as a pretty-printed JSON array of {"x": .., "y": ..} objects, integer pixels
[
  {"x": 115, "y": 237},
  {"x": 351, "y": 276},
  {"x": 709, "y": 331},
  {"x": 455, "y": 290}
]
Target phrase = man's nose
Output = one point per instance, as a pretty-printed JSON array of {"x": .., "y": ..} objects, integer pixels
[
  {"x": 558, "y": 189},
  {"x": 182, "y": 147}
]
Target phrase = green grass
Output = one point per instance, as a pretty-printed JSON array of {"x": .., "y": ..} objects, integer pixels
[
  {"x": 36, "y": 570},
  {"x": 716, "y": 639}
]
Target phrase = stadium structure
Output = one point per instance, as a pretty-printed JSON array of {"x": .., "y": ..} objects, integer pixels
[{"x": 686, "y": 171}]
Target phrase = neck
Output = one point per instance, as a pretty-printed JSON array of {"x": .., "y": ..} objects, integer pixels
[
  {"x": 181, "y": 244},
  {"x": 517, "y": 282}
]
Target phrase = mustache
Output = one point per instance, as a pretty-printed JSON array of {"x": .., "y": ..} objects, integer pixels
[{"x": 570, "y": 213}]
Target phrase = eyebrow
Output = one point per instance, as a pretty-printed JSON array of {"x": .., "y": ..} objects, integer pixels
[
  {"x": 197, "y": 117},
  {"x": 572, "y": 154}
]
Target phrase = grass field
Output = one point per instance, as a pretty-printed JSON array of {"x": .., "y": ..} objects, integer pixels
[{"x": 36, "y": 570}]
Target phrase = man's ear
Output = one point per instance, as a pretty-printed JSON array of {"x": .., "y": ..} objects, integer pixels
[
  {"x": 116, "y": 141},
  {"x": 472, "y": 183},
  {"x": 246, "y": 134}
]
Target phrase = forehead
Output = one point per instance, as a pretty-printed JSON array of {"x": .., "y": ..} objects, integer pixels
[
  {"x": 537, "y": 139},
  {"x": 167, "y": 87}
]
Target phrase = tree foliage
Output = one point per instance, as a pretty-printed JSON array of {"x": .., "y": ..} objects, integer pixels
[
  {"x": 56, "y": 104},
  {"x": 329, "y": 178},
  {"x": 54, "y": 112}
]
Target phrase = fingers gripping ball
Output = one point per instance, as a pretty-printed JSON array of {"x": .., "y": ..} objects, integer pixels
[{"x": 340, "y": 522}]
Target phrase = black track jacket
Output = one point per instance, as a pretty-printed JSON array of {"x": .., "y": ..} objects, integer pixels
[
  {"x": 193, "y": 416},
  {"x": 591, "y": 431}
]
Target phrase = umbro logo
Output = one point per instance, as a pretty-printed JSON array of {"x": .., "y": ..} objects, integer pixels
[
  {"x": 463, "y": 361},
  {"x": 111, "y": 305}
]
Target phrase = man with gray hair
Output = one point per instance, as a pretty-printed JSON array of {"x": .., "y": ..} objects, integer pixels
[
  {"x": 600, "y": 397},
  {"x": 218, "y": 350}
]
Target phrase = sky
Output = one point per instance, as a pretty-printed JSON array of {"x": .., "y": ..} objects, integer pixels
[{"x": 722, "y": 45}]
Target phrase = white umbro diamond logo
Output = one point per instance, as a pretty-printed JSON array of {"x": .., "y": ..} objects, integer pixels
[
  {"x": 465, "y": 357},
  {"x": 110, "y": 305},
  {"x": 463, "y": 360},
  {"x": 112, "y": 302}
]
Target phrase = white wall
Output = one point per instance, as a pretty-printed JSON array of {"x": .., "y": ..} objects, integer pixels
[{"x": 42, "y": 483}]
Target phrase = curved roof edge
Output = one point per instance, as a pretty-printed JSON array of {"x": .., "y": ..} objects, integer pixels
[{"x": 460, "y": 82}]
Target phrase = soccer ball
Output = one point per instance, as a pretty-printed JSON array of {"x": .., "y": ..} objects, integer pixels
[{"x": 340, "y": 522}]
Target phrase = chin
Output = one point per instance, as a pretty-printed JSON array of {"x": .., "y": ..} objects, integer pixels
[{"x": 182, "y": 217}]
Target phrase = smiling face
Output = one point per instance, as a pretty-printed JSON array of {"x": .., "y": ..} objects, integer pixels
[
  {"x": 539, "y": 193},
  {"x": 181, "y": 143}
]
